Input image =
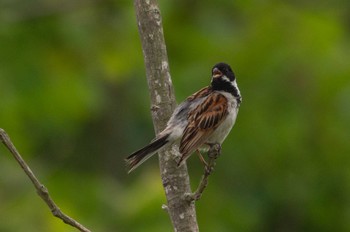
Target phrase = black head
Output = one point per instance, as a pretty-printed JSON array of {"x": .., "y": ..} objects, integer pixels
[
  {"x": 222, "y": 70},
  {"x": 223, "y": 79}
]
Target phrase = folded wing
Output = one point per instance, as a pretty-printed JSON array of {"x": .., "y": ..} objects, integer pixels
[{"x": 202, "y": 121}]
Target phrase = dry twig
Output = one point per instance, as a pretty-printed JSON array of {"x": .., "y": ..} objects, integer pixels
[
  {"x": 213, "y": 154},
  {"x": 41, "y": 189}
]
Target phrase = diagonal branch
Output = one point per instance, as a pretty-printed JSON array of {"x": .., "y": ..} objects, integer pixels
[
  {"x": 213, "y": 154},
  {"x": 41, "y": 189}
]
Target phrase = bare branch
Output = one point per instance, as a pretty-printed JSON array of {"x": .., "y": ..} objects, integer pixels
[
  {"x": 41, "y": 189},
  {"x": 175, "y": 180},
  {"x": 213, "y": 154}
]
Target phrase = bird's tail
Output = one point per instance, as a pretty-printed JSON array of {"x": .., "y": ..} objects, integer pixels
[{"x": 140, "y": 156}]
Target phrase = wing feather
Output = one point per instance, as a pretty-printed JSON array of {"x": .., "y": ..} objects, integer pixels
[
  {"x": 200, "y": 93},
  {"x": 202, "y": 121}
]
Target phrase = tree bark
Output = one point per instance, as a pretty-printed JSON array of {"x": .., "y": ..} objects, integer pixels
[{"x": 175, "y": 179}]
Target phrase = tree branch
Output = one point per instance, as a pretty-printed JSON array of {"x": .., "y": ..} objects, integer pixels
[
  {"x": 41, "y": 189},
  {"x": 213, "y": 154},
  {"x": 175, "y": 180}
]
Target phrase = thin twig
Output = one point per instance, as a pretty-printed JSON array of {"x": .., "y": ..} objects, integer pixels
[
  {"x": 41, "y": 189},
  {"x": 213, "y": 154}
]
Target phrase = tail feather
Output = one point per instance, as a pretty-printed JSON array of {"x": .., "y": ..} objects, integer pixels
[{"x": 140, "y": 156}]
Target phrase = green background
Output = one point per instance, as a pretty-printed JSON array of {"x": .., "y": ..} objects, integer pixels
[{"x": 74, "y": 99}]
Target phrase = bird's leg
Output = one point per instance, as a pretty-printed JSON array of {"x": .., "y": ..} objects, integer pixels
[
  {"x": 213, "y": 154},
  {"x": 201, "y": 158}
]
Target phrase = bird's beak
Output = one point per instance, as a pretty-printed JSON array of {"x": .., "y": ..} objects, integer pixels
[{"x": 216, "y": 73}]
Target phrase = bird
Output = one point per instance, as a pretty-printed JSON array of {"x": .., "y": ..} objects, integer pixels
[{"x": 204, "y": 119}]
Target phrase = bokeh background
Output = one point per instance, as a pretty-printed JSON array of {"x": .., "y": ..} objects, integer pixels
[{"x": 73, "y": 98}]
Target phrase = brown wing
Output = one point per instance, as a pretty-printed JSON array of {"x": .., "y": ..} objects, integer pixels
[
  {"x": 200, "y": 93},
  {"x": 202, "y": 121}
]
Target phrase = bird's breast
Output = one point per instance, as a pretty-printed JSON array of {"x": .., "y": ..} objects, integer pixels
[{"x": 225, "y": 127}]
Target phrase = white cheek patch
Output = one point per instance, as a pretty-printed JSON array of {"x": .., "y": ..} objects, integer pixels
[
  {"x": 225, "y": 78},
  {"x": 234, "y": 83}
]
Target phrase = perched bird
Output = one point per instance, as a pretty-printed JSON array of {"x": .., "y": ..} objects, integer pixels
[{"x": 204, "y": 118}]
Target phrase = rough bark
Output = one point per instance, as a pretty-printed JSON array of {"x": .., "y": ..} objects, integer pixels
[{"x": 175, "y": 180}]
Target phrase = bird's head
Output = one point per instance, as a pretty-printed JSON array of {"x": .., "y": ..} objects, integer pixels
[{"x": 222, "y": 72}]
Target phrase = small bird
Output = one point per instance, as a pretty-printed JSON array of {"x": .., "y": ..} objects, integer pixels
[{"x": 204, "y": 119}]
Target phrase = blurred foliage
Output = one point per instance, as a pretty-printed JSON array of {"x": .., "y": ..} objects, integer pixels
[{"x": 73, "y": 98}]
